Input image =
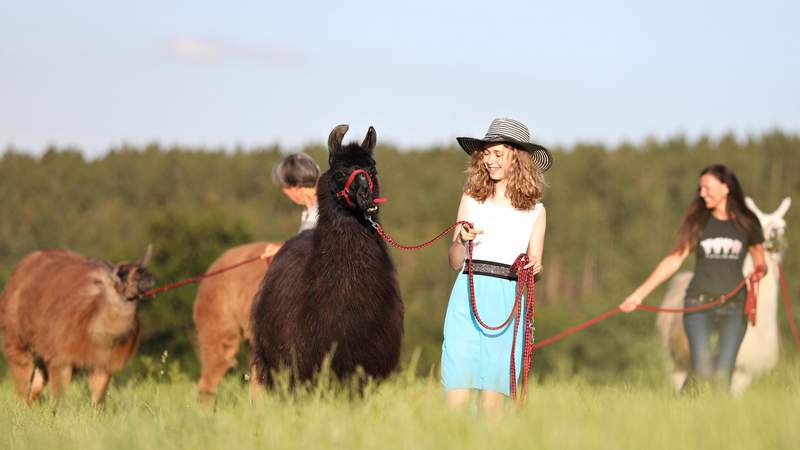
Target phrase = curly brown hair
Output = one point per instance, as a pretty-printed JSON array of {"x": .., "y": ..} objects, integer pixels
[{"x": 525, "y": 180}]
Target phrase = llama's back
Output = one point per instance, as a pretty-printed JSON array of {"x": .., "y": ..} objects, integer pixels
[
  {"x": 34, "y": 284},
  {"x": 226, "y": 299},
  {"x": 282, "y": 294}
]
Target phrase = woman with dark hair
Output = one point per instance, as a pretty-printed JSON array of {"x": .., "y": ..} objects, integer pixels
[{"x": 720, "y": 229}]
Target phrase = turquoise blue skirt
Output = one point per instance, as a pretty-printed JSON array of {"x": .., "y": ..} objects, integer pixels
[{"x": 473, "y": 357}]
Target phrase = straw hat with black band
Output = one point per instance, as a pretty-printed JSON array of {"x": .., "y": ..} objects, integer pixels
[{"x": 512, "y": 132}]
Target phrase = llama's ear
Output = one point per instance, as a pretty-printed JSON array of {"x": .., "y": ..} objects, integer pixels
[
  {"x": 369, "y": 141},
  {"x": 784, "y": 206},
  {"x": 335, "y": 138},
  {"x": 147, "y": 254},
  {"x": 752, "y": 205}
]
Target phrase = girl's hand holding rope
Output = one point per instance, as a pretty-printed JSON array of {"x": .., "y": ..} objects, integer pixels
[
  {"x": 535, "y": 265},
  {"x": 467, "y": 234},
  {"x": 630, "y": 303}
]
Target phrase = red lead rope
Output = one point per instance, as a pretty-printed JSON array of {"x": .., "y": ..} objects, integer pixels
[
  {"x": 152, "y": 292},
  {"x": 787, "y": 303}
]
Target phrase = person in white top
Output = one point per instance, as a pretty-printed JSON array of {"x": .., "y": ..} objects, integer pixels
[
  {"x": 298, "y": 175},
  {"x": 502, "y": 200}
]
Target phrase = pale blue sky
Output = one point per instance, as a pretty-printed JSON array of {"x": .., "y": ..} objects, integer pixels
[{"x": 99, "y": 73}]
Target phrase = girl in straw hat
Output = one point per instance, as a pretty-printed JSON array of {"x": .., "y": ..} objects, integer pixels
[{"x": 502, "y": 200}]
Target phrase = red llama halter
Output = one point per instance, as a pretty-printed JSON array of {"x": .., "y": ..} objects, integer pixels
[{"x": 343, "y": 193}]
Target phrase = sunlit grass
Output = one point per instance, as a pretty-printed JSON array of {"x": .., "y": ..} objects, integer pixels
[{"x": 407, "y": 412}]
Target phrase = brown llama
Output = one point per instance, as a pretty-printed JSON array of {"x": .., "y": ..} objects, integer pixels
[
  {"x": 334, "y": 286},
  {"x": 60, "y": 311},
  {"x": 222, "y": 313}
]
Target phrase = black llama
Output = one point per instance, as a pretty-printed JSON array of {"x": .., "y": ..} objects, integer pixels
[{"x": 334, "y": 286}]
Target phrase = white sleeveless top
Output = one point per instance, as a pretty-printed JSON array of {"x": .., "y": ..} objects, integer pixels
[{"x": 506, "y": 231}]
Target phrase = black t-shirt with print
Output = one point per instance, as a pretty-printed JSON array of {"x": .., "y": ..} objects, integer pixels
[{"x": 720, "y": 255}]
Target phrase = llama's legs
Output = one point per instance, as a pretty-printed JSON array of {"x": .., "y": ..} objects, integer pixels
[
  {"x": 740, "y": 381},
  {"x": 678, "y": 379},
  {"x": 60, "y": 375},
  {"x": 218, "y": 348},
  {"x": 20, "y": 363},
  {"x": 256, "y": 389},
  {"x": 38, "y": 381},
  {"x": 98, "y": 384}
]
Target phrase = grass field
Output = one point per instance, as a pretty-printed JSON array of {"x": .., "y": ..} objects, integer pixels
[{"x": 160, "y": 412}]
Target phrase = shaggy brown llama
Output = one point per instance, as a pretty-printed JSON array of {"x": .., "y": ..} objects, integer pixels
[{"x": 60, "y": 311}]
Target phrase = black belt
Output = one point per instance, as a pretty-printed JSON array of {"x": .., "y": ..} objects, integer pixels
[
  {"x": 491, "y": 269},
  {"x": 734, "y": 305}
]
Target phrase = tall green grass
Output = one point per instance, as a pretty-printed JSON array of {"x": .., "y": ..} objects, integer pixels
[{"x": 407, "y": 412}]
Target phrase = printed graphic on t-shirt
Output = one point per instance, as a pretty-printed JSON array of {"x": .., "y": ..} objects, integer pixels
[{"x": 721, "y": 248}]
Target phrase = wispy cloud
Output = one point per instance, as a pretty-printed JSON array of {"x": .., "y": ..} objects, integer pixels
[{"x": 198, "y": 50}]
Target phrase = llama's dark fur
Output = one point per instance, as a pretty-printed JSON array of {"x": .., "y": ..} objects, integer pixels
[{"x": 332, "y": 286}]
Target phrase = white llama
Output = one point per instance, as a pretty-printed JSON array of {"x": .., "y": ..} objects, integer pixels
[{"x": 759, "y": 350}]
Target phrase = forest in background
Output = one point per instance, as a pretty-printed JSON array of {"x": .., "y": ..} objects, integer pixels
[{"x": 612, "y": 214}]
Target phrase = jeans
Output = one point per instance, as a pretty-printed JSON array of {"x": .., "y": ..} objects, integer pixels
[{"x": 731, "y": 323}]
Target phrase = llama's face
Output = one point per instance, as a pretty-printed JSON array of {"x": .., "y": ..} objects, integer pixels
[
  {"x": 353, "y": 172},
  {"x": 773, "y": 225},
  {"x": 358, "y": 186},
  {"x": 134, "y": 279}
]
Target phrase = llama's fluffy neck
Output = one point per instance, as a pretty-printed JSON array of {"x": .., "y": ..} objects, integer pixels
[
  {"x": 344, "y": 237},
  {"x": 339, "y": 226},
  {"x": 115, "y": 317}
]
